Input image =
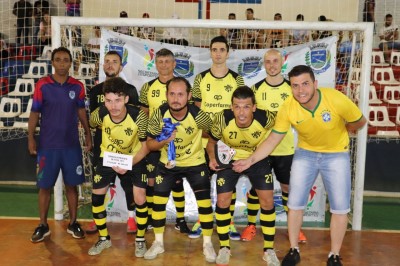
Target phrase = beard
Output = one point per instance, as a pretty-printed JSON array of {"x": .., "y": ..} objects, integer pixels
[
  {"x": 111, "y": 75},
  {"x": 177, "y": 109}
]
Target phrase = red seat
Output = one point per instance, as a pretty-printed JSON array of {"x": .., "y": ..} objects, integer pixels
[
  {"x": 26, "y": 53},
  {"x": 4, "y": 86}
]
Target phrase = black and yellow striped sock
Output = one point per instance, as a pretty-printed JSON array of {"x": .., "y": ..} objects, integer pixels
[
  {"x": 141, "y": 219},
  {"x": 223, "y": 217},
  {"x": 99, "y": 214},
  {"x": 232, "y": 206},
  {"x": 285, "y": 197},
  {"x": 205, "y": 211},
  {"x": 149, "y": 200},
  {"x": 178, "y": 194},
  {"x": 253, "y": 205},
  {"x": 267, "y": 221},
  {"x": 159, "y": 214}
]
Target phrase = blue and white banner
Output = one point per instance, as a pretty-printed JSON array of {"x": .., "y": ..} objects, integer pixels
[{"x": 138, "y": 59}]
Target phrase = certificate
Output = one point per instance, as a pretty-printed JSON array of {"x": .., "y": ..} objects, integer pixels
[{"x": 111, "y": 159}]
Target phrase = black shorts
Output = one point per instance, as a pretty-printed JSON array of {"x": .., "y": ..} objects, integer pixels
[
  {"x": 259, "y": 174},
  {"x": 105, "y": 176},
  {"x": 281, "y": 166},
  {"x": 197, "y": 177},
  {"x": 152, "y": 161}
]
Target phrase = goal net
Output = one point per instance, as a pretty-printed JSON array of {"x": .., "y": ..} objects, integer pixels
[{"x": 339, "y": 53}]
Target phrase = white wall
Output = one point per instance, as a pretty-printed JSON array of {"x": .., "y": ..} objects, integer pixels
[{"x": 338, "y": 10}]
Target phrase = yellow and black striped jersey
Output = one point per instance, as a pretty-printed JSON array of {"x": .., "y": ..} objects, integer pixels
[
  {"x": 269, "y": 97},
  {"x": 189, "y": 150},
  {"x": 153, "y": 94},
  {"x": 123, "y": 137},
  {"x": 215, "y": 93},
  {"x": 243, "y": 140}
]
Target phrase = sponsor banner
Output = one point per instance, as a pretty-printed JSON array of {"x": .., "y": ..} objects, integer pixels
[
  {"x": 115, "y": 203},
  {"x": 138, "y": 59},
  {"x": 314, "y": 212}
]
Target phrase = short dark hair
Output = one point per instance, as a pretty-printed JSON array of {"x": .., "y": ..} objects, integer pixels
[
  {"x": 115, "y": 85},
  {"x": 179, "y": 79},
  {"x": 302, "y": 69},
  {"x": 278, "y": 14},
  {"x": 59, "y": 50},
  {"x": 388, "y": 16},
  {"x": 251, "y": 10},
  {"x": 219, "y": 39},
  {"x": 113, "y": 52},
  {"x": 123, "y": 14},
  {"x": 164, "y": 52},
  {"x": 300, "y": 16},
  {"x": 232, "y": 14},
  {"x": 322, "y": 18},
  {"x": 244, "y": 92}
]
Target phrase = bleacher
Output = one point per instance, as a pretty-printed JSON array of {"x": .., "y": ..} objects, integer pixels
[
  {"x": 384, "y": 92},
  {"x": 19, "y": 74}
]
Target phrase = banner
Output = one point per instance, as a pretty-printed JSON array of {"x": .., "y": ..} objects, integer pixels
[{"x": 138, "y": 59}]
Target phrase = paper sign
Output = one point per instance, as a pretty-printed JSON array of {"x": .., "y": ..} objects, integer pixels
[{"x": 111, "y": 159}]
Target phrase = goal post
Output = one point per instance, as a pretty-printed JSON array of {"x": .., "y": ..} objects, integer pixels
[{"x": 365, "y": 40}]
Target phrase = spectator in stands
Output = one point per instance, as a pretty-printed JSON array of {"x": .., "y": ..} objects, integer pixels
[
  {"x": 277, "y": 38},
  {"x": 59, "y": 101},
  {"x": 73, "y": 9},
  {"x": 94, "y": 44},
  {"x": 333, "y": 115},
  {"x": 23, "y": 10},
  {"x": 369, "y": 11},
  {"x": 176, "y": 35},
  {"x": 389, "y": 35},
  {"x": 232, "y": 35},
  {"x": 146, "y": 32},
  {"x": 44, "y": 31},
  {"x": 3, "y": 52},
  {"x": 299, "y": 36},
  {"x": 252, "y": 38},
  {"x": 123, "y": 29},
  {"x": 38, "y": 8},
  {"x": 321, "y": 34}
]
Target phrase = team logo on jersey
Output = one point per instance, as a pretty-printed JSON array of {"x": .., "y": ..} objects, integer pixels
[
  {"x": 149, "y": 58},
  {"x": 250, "y": 67},
  {"x": 326, "y": 116},
  {"x": 116, "y": 44},
  {"x": 79, "y": 170},
  {"x": 184, "y": 66},
  {"x": 71, "y": 95},
  {"x": 319, "y": 57}
]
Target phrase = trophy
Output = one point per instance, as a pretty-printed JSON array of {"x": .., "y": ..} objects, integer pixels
[{"x": 166, "y": 132}]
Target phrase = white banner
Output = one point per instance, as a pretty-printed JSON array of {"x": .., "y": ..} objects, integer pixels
[{"x": 138, "y": 59}]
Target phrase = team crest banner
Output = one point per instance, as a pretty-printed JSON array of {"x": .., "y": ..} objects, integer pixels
[{"x": 138, "y": 59}]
